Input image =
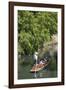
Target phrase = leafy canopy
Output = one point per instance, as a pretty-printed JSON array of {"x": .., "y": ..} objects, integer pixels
[{"x": 34, "y": 29}]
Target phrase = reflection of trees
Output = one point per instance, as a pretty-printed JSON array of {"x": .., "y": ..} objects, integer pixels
[{"x": 53, "y": 62}]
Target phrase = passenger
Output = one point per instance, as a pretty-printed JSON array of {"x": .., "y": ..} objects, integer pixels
[{"x": 41, "y": 62}]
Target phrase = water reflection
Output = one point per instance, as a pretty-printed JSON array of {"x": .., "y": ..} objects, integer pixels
[
  {"x": 35, "y": 75},
  {"x": 44, "y": 74},
  {"x": 24, "y": 73},
  {"x": 38, "y": 75},
  {"x": 25, "y": 67}
]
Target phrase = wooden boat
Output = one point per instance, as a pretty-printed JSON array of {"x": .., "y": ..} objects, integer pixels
[{"x": 38, "y": 67}]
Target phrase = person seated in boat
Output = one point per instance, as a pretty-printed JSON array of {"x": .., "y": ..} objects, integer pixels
[
  {"x": 45, "y": 59},
  {"x": 41, "y": 62}
]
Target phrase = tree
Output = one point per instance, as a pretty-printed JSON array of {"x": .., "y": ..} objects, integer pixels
[{"x": 34, "y": 29}]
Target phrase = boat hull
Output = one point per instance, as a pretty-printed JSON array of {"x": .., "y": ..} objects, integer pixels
[{"x": 38, "y": 67}]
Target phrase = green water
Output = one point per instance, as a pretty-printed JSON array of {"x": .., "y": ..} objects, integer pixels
[{"x": 24, "y": 72}]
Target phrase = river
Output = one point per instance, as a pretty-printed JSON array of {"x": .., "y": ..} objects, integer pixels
[{"x": 24, "y": 71}]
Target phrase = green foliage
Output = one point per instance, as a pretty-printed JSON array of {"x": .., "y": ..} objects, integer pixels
[{"x": 34, "y": 29}]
